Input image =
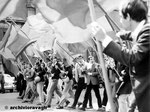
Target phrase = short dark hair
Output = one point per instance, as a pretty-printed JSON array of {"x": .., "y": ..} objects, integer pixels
[
  {"x": 80, "y": 56},
  {"x": 137, "y": 9},
  {"x": 64, "y": 60},
  {"x": 90, "y": 57},
  {"x": 37, "y": 64}
]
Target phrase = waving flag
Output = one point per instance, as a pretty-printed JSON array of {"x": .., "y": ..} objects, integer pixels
[
  {"x": 77, "y": 11},
  {"x": 73, "y": 17},
  {"x": 6, "y": 52},
  {"x": 19, "y": 43},
  {"x": 5, "y": 38},
  {"x": 70, "y": 18},
  {"x": 16, "y": 42},
  {"x": 37, "y": 29}
]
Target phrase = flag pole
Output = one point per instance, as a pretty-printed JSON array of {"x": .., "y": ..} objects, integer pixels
[
  {"x": 34, "y": 50},
  {"x": 108, "y": 17},
  {"x": 27, "y": 58},
  {"x": 105, "y": 76},
  {"x": 64, "y": 50}
]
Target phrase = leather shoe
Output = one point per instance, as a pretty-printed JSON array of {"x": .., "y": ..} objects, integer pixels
[
  {"x": 25, "y": 101},
  {"x": 90, "y": 107},
  {"x": 83, "y": 109},
  {"x": 72, "y": 107},
  {"x": 79, "y": 104},
  {"x": 101, "y": 109},
  {"x": 59, "y": 107}
]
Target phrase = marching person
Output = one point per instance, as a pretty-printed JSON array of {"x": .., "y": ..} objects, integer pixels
[
  {"x": 57, "y": 90},
  {"x": 23, "y": 81},
  {"x": 29, "y": 76},
  {"x": 55, "y": 71},
  {"x": 80, "y": 76},
  {"x": 134, "y": 18},
  {"x": 67, "y": 79},
  {"x": 39, "y": 81},
  {"x": 92, "y": 83}
]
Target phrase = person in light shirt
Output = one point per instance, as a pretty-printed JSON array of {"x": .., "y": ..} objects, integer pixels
[
  {"x": 92, "y": 83},
  {"x": 80, "y": 77},
  {"x": 133, "y": 18}
]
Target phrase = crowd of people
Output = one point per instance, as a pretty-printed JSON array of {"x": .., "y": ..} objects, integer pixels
[
  {"x": 127, "y": 69},
  {"x": 42, "y": 81}
]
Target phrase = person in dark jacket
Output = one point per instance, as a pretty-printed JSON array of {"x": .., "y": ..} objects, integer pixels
[
  {"x": 123, "y": 87},
  {"x": 40, "y": 72},
  {"x": 134, "y": 15},
  {"x": 19, "y": 83},
  {"x": 66, "y": 76},
  {"x": 55, "y": 71}
]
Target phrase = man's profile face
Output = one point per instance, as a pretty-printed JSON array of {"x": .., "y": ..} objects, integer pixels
[{"x": 125, "y": 23}]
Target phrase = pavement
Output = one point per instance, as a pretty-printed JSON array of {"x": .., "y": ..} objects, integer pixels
[{"x": 10, "y": 103}]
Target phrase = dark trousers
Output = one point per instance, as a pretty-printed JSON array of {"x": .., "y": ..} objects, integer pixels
[
  {"x": 90, "y": 99},
  {"x": 2, "y": 87},
  {"x": 105, "y": 99},
  {"x": 80, "y": 87},
  {"x": 87, "y": 93},
  {"x": 23, "y": 88}
]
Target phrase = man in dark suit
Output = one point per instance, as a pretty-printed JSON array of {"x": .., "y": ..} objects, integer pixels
[
  {"x": 92, "y": 83},
  {"x": 134, "y": 19}
]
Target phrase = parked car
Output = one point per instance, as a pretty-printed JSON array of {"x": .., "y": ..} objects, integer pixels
[{"x": 9, "y": 83}]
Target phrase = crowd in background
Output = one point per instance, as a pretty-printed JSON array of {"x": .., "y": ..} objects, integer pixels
[
  {"x": 42, "y": 81},
  {"x": 131, "y": 66}
]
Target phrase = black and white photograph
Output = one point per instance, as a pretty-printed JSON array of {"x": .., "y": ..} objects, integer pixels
[{"x": 74, "y": 55}]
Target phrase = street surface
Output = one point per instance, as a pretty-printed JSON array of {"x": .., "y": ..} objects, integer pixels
[{"x": 10, "y": 103}]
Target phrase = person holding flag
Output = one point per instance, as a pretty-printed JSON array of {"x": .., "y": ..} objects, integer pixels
[
  {"x": 92, "y": 83},
  {"x": 66, "y": 77},
  {"x": 134, "y": 14}
]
